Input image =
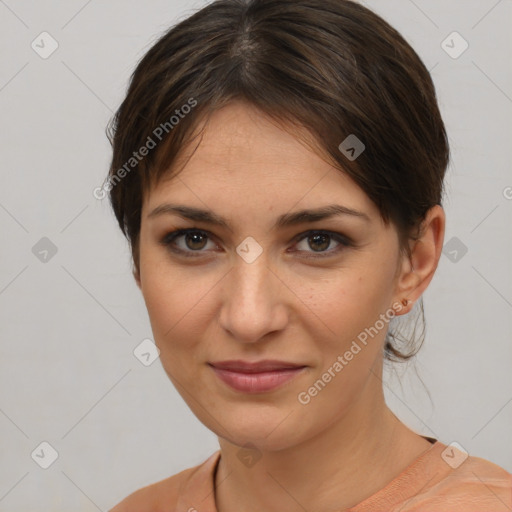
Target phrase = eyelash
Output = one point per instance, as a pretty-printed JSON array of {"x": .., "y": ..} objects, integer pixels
[{"x": 169, "y": 239}]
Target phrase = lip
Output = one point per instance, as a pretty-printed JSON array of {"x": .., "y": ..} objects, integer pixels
[{"x": 256, "y": 377}]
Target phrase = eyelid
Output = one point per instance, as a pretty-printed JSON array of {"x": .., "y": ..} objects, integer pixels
[
  {"x": 169, "y": 237},
  {"x": 342, "y": 240},
  {"x": 332, "y": 234}
]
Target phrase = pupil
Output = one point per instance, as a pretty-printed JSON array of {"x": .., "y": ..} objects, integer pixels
[
  {"x": 193, "y": 238},
  {"x": 320, "y": 237}
]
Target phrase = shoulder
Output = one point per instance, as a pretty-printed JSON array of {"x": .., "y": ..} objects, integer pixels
[
  {"x": 156, "y": 496},
  {"x": 482, "y": 476},
  {"x": 476, "y": 485}
]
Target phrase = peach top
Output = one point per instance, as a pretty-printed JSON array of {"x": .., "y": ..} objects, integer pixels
[{"x": 442, "y": 479}]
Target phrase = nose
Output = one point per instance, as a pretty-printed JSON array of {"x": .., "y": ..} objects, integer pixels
[{"x": 254, "y": 301}]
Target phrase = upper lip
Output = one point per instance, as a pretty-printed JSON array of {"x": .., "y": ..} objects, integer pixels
[{"x": 255, "y": 367}]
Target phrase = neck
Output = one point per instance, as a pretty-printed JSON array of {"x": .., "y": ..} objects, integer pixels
[{"x": 337, "y": 468}]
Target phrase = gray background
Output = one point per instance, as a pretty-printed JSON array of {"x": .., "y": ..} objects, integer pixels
[{"x": 69, "y": 325}]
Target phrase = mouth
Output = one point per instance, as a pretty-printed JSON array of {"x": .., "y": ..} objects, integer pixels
[{"x": 256, "y": 377}]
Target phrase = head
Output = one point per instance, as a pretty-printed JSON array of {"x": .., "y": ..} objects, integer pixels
[{"x": 247, "y": 110}]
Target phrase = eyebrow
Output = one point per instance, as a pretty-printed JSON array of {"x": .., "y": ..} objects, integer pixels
[{"x": 285, "y": 220}]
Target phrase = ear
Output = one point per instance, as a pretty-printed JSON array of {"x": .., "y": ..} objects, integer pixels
[{"x": 416, "y": 271}]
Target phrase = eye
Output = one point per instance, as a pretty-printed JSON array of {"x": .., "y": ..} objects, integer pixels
[
  {"x": 319, "y": 241},
  {"x": 193, "y": 241}
]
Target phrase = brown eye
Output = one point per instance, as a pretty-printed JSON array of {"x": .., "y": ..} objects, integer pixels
[
  {"x": 319, "y": 242},
  {"x": 195, "y": 240},
  {"x": 191, "y": 242}
]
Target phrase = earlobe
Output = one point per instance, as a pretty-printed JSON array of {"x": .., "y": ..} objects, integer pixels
[{"x": 418, "y": 270}]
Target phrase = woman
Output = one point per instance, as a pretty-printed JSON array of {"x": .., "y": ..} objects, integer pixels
[{"x": 278, "y": 169}]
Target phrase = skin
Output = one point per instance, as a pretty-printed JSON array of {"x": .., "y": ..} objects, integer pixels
[{"x": 345, "y": 444}]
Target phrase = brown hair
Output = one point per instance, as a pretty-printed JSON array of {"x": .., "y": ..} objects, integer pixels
[{"x": 331, "y": 66}]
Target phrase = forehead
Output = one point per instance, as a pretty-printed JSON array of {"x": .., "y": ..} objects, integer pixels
[
  {"x": 239, "y": 138},
  {"x": 244, "y": 157}
]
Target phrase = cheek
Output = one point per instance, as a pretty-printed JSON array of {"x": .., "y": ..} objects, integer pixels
[
  {"x": 176, "y": 301},
  {"x": 350, "y": 303},
  {"x": 350, "y": 339}
]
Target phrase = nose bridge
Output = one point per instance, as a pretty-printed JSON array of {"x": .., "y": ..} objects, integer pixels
[{"x": 252, "y": 305}]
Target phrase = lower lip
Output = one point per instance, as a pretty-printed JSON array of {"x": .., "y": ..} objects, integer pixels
[{"x": 256, "y": 382}]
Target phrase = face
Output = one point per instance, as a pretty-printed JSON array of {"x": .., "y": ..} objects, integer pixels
[{"x": 306, "y": 292}]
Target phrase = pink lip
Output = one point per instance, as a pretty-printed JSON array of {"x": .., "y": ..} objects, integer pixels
[{"x": 255, "y": 377}]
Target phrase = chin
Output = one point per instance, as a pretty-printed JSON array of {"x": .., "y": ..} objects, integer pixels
[
  {"x": 261, "y": 442},
  {"x": 265, "y": 430}
]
